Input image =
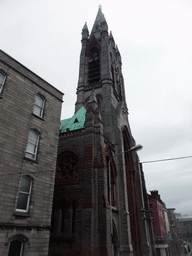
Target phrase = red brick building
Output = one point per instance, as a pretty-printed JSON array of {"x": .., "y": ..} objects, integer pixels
[{"x": 159, "y": 223}]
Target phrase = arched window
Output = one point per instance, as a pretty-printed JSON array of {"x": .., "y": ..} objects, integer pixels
[
  {"x": 63, "y": 212},
  {"x": 112, "y": 179},
  {"x": 99, "y": 100},
  {"x": 59, "y": 216},
  {"x": 111, "y": 58},
  {"x": 39, "y": 105},
  {"x": 113, "y": 77},
  {"x": 16, "y": 248},
  {"x": 32, "y": 145},
  {"x": 94, "y": 66},
  {"x": 24, "y": 194},
  {"x": 73, "y": 216},
  {"x": 113, "y": 190},
  {"x": 2, "y": 81}
]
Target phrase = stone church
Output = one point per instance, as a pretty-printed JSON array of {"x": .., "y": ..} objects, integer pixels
[{"x": 100, "y": 204}]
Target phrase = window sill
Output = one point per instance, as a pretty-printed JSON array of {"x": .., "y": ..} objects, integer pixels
[
  {"x": 114, "y": 209},
  {"x": 30, "y": 160},
  {"x": 41, "y": 118},
  {"x": 21, "y": 214}
]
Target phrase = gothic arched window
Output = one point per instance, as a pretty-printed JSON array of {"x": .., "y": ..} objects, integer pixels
[
  {"x": 73, "y": 216},
  {"x": 16, "y": 244},
  {"x": 16, "y": 248},
  {"x": 113, "y": 77},
  {"x": 94, "y": 66},
  {"x": 59, "y": 214},
  {"x": 112, "y": 180}
]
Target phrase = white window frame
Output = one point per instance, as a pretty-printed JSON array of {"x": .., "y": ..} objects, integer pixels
[
  {"x": 39, "y": 96},
  {"x": 2, "y": 84},
  {"x": 25, "y": 193},
  {"x": 29, "y": 154}
]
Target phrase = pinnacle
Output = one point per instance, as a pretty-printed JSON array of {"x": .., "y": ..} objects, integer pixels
[{"x": 85, "y": 26}]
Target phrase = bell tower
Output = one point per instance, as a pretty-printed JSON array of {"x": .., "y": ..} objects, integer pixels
[
  {"x": 98, "y": 190},
  {"x": 100, "y": 69}
]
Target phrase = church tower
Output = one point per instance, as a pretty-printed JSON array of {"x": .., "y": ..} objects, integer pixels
[{"x": 98, "y": 188}]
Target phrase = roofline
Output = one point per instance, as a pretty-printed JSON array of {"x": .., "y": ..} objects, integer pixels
[{"x": 1, "y": 51}]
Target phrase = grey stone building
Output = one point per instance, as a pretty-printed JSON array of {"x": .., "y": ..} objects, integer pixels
[
  {"x": 29, "y": 129},
  {"x": 100, "y": 202},
  {"x": 184, "y": 227}
]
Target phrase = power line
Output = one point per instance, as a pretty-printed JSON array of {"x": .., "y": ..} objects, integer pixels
[
  {"x": 166, "y": 159},
  {"x": 145, "y": 162}
]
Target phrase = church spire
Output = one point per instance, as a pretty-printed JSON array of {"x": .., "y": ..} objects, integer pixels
[
  {"x": 100, "y": 65},
  {"x": 100, "y": 23}
]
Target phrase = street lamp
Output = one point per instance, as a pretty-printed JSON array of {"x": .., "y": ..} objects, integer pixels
[{"x": 134, "y": 148}]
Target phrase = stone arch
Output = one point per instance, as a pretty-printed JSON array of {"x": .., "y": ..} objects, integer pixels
[{"x": 21, "y": 237}]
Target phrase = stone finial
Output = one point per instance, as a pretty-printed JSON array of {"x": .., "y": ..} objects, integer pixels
[
  {"x": 85, "y": 27},
  {"x": 85, "y": 32}
]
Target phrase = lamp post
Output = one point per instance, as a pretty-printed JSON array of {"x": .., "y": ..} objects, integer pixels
[{"x": 134, "y": 148}]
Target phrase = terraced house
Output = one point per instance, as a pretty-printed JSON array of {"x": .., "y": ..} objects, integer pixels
[{"x": 29, "y": 119}]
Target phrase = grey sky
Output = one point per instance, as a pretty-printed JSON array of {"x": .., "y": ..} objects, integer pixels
[{"x": 154, "y": 38}]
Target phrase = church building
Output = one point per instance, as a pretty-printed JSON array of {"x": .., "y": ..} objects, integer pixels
[{"x": 100, "y": 205}]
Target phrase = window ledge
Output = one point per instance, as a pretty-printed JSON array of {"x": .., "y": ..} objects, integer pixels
[
  {"x": 22, "y": 214},
  {"x": 30, "y": 159},
  {"x": 114, "y": 209},
  {"x": 41, "y": 118}
]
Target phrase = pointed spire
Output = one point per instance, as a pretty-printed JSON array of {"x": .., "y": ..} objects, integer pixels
[{"x": 99, "y": 22}]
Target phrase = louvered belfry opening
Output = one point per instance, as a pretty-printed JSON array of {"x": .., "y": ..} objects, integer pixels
[{"x": 94, "y": 66}]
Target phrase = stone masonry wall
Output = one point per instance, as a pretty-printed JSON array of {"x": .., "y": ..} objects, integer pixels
[{"x": 16, "y": 119}]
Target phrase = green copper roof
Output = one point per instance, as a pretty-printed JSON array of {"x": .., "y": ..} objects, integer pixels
[{"x": 75, "y": 122}]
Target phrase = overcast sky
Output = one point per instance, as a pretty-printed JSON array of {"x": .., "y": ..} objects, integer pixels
[{"x": 155, "y": 41}]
